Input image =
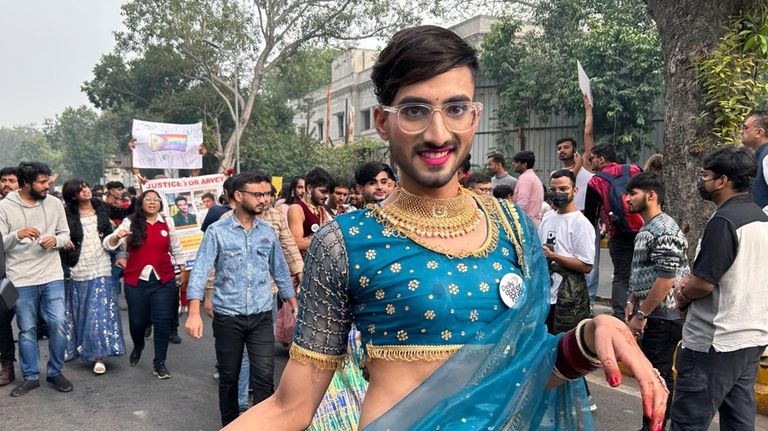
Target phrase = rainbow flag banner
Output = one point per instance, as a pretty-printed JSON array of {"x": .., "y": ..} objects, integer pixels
[
  {"x": 167, "y": 145},
  {"x": 168, "y": 142}
]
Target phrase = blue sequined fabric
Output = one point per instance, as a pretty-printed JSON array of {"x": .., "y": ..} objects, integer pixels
[
  {"x": 93, "y": 320},
  {"x": 404, "y": 294}
]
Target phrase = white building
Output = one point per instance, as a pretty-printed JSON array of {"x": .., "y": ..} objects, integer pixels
[{"x": 343, "y": 109}]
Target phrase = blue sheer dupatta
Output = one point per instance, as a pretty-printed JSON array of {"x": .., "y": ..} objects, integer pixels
[{"x": 497, "y": 381}]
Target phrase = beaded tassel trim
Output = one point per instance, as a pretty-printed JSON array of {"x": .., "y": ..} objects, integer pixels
[{"x": 319, "y": 360}]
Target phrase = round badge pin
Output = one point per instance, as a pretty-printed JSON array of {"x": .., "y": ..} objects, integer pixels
[
  {"x": 164, "y": 233},
  {"x": 315, "y": 227},
  {"x": 512, "y": 289}
]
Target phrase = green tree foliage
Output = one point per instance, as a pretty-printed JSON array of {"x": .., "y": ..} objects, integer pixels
[
  {"x": 230, "y": 41},
  {"x": 342, "y": 161},
  {"x": 26, "y": 143},
  {"x": 82, "y": 141},
  {"x": 616, "y": 43},
  {"x": 735, "y": 76}
]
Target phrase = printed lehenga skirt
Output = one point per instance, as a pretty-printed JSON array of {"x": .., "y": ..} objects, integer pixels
[{"x": 94, "y": 329}]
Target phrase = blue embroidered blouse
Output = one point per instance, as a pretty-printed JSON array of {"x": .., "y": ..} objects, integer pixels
[{"x": 408, "y": 302}]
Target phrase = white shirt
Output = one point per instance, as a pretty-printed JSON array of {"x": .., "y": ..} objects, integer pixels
[
  {"x": 573, "y": 237},
  {"x": 148, "y": 269},
  {"x": 582, "y": 180}
]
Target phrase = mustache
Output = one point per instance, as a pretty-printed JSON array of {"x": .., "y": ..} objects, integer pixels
[{"x": 430, "y": 146}]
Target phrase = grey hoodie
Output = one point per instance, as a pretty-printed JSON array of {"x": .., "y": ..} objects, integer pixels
[{"x": 28, "y": 264}]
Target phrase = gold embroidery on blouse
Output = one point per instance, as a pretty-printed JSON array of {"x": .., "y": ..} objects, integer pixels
[
  {"x": 411, "y": 353},
  {"x": 318, "y": 360}
]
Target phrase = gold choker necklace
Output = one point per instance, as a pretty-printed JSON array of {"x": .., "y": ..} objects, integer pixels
[{"x": 431, "y": 217}]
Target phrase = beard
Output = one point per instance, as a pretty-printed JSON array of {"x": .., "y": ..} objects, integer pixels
[
  {"x": 38, "y": 195},
  {"x": 433, "y": 176},
  {"x": 637, "y": 208},
  {"x": 252, "y": 210}
]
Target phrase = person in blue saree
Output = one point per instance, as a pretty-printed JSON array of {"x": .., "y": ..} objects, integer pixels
[{"x": 449, "y": 290}]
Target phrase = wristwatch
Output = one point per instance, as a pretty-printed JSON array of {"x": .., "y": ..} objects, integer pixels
[{"x": 641, "y": 315}]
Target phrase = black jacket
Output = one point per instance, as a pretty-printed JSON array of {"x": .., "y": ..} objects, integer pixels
[{"x": 69, "y": 258}]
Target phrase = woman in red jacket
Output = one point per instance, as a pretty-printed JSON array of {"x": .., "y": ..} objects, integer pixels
[{"x": 149, "y": 276}]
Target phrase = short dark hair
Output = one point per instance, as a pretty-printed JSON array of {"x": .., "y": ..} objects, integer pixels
[
  {"x": 240, "y": 180},
  {"x": 526, "y": 157},
  {"x": 466, "y": 165},
  {"x": 180, "y": 198},
  {"x": 503, "y": 191},
  {"x": 564, "y": 173},
  {"x": 226, "y": 187},
  {"x": 132, "y": 190},
  {"x": 339, "y": 183},
  {"x": 390, "y": 173},
  {"x": 761, "y": 117},
  {"x": 567, "y": 139},
  {"x": 97, "y": 188},
  {"x": 8, "y": 170},
  {"x": 498, "y": 158},
  {"x": 208, "y": 195},
  {"x": 606, "y": 151},
  {"x": 647, "y": 181},
  {"x": 416, "y": 54},
  {"x": 318, "y": 177},
  {"x": 368, "y": 171},
  {"x": 114, "y": 185},
  {"x": 477, "y": 178},
  {"x": 27, "y": 172},
  {"x": 738, "y": 164}
]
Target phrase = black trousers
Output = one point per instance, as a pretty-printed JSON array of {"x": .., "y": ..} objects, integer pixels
[
  {"x": 151, "y": 301},
  {"x": 621, "y": 247},
  {"x": 709, "y": 382},
  {"x": 658, "y": 343},
  {"x": 231, "y": 333},
  {"x": 7, "y": 348}
]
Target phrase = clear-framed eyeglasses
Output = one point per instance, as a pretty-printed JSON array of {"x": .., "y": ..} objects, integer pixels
[{"x": 415, "y": 118}]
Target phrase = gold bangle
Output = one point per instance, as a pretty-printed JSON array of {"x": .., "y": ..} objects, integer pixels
[{"x": 579, "y": 334}]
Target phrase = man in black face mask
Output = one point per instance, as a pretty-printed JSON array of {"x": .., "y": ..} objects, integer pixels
[{"x": 569, "y": 245}]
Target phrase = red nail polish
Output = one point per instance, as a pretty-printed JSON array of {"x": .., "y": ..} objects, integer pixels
[
  {"x": 613, "y": 380},
  {"x": 659, "y": 426}
]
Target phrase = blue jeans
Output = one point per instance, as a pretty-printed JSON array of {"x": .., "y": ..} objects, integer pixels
[
  {"x": 593, "y": 277},
  {"x": 48, "y": 298},
  {"x": 242, "y": 382}
]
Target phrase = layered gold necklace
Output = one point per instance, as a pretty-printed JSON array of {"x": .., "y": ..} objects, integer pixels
[{"x": 431, "y": 217}]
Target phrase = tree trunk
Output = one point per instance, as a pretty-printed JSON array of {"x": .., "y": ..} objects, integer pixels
[{"x": 688, "y": 28}]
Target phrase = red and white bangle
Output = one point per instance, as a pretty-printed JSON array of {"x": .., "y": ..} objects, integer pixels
[{"x": 574, "y": 359}]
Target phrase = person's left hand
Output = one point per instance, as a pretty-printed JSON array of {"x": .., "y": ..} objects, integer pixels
[
  {"x": 637, "y": 325},
  {"x": 47, "y": 242},
  {"x": 611, "y": 339}
]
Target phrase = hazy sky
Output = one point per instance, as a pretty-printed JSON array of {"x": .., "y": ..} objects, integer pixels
[{"x": 47, "y": 49}]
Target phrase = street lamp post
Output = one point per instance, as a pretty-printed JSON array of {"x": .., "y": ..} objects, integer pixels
[{"x": 237, "y": 104}]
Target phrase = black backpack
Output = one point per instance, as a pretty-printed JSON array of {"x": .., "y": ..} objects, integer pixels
[{"x": 622, "y": 220}]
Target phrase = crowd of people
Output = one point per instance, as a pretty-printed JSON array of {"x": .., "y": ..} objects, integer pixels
[{"x": 412, "y": 291}]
